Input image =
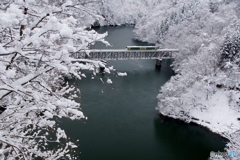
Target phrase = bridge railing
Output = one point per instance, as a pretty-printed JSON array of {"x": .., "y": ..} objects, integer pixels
[{"x": 126, "y": 54}]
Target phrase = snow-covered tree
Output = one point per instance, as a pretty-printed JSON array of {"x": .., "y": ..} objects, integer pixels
[
  {"x": 231, "y": 49},
  {"x": 37, "y": 43},
  {"x": 198, "y": 29},
  {"x": 201, "y": 30},
  {"x": 121, "y": 12},
  {"x": 185, "y": 91},
  {"x": 157, "y": 22},
  {"x": 234, "y": 145}
]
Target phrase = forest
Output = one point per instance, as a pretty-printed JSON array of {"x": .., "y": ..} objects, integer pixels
[{"x": 38, "y": 38}]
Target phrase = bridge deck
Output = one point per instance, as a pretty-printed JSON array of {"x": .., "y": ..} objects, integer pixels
[{"x": 123, "y": 54}]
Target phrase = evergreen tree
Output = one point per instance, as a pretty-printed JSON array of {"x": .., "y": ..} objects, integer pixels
[
  {"x": 230, "y": 50},
  {"x": 213, "y": 6}
]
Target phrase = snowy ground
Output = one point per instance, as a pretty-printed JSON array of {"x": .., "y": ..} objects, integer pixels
[
  {"x": 218, "y": 110},
  {"x": 220, "y": 117}
]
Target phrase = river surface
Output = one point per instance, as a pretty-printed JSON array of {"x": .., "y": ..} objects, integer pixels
[{"x": 122, "y": 121}]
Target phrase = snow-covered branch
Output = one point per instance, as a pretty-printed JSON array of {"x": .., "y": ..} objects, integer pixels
[{"x": 37, "y": 40}]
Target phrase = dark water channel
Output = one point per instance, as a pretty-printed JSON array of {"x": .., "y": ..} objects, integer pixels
[{"x": 122, "y": 122}]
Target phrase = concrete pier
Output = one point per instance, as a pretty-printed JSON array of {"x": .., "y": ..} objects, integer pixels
[{"x": 159, "y": 63}]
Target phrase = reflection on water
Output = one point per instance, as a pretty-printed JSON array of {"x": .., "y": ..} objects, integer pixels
[{"x": 190, "y": 141}]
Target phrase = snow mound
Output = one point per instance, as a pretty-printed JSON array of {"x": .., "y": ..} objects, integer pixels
[
  {"x": 122, "y": 74},
  {"x": 109, "y": 81}
]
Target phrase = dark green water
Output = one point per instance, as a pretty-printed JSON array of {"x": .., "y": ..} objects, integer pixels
[{"x": 122, "y": 122}]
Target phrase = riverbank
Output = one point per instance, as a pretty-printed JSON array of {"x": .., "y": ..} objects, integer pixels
[
  {"x": 122, "y": 122},
  {"x": 193, "y": 94},
  {"x": 205, "y": 105},
  {"x": 198, "y": 30},
  {"x": 220, "y": 118}
]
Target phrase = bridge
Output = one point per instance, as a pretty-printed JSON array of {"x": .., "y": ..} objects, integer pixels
[
  {"x": 132, "y": 52},
  {"x": 124, "y": 54}
]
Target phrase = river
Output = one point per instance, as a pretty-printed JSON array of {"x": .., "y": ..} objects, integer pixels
[{"x": 122, "y": 121}]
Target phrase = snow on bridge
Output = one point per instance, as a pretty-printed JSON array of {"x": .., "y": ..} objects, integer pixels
[{"x": 124, "y": 54}]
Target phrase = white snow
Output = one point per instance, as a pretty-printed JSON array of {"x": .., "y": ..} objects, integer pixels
[
  {"x": 48, "y": 114},
  {"x": 66, "y": 31},
  {"x": 15, "y": 10},
  {"x": 60, "y": 134},
  {"x": 107, "y": 70},
  {"x": 219, "y": 117},
  {"x": 2, "y": 50},
  {"x": 11, "y": 73},
  {"x": 54, "y": 37},
  {"x": 109, "y": 81},
  {"x": 27, "y": 90},
  {"x": 101, "y": 80},
  {"x": 122, "y": 74},
  {"x": 111, "y": 68}
]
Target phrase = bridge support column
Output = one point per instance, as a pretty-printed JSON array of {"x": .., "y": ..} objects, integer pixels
[{"x": 158, "y": 63}]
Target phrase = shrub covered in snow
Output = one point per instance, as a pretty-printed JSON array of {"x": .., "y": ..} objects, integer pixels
[{"x": 37, "y": 40}]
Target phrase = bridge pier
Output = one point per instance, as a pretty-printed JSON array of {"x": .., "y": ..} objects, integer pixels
[{"x": 158, "y": 63}]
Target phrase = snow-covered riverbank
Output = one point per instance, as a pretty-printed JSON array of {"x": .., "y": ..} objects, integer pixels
[
  {"x": 221, "y": 117},
  {"x": 216, "y": 113},
  {"x": 206, "y": 88}
]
